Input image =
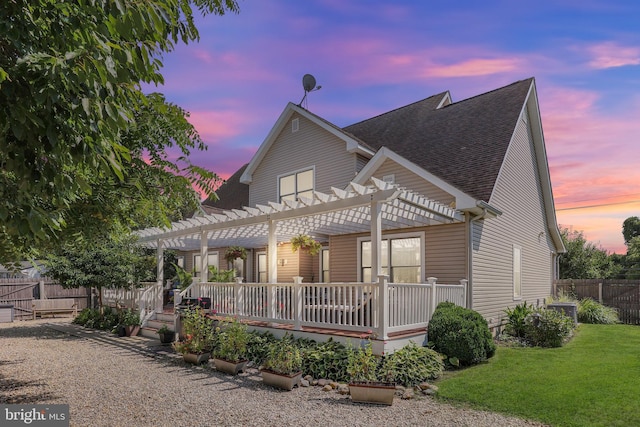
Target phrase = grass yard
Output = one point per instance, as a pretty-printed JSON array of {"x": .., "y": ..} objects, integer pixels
[{"x": 594, "y": 380}]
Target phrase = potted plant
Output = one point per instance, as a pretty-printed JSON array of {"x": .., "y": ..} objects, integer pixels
[
  {"x": 368, "y": 383},
  {"x": 230, "y": 352},
  {"x": 130, "y": 319},
  {"x": 198, "y": 337},
  {"x": 166, "y": 335},
  {"x": 282, "y": 367},
  {"x": 235, "y": 252},
  {"x": 305, "y": 243}
]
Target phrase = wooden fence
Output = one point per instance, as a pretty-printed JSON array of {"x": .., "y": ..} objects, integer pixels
[
  {"x": 624, "y": 295},
  {"x": 21, "y": 293}
]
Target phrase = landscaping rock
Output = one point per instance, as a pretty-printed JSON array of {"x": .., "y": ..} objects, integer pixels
[
  {"x": 343, "y": 389},
  {"x": 333, "y": 384},
  {"x": 304, "y": 383},
  {"x": 399, "y": 390},
  {"x": 314, "y": 382},
  {"x": 408, "y": 394},
  {"x": 323, "y": 382},
  {"x": 308, "y": 378},
  {"x": 327, "y": 387}
]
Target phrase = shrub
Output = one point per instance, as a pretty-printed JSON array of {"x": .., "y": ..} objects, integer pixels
[
  {"x": 412, "y": 365},
  {"x": 283, "y": 357},
  {"x": 325, "y": 360},
  {"x": 363, "y": 365},
  {"x": 92, "y": 318},
  {"x": 516, "y": 319},
  {"x": 590, "y": 311},
  {"x": 461, "y": 334},
  {"x": 547, "y": 328},
  {"x": 258, "y": 346}
]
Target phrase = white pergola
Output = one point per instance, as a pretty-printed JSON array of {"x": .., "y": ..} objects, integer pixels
[{"x": 372, "y": 208}]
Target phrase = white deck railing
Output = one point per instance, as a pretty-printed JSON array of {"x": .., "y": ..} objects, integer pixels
[
  {"x": 147, "y": 299},
  {"x": 348, "y": 306}
]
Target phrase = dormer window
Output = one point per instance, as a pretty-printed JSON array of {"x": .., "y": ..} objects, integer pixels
[{"x": 295, "y": 185}]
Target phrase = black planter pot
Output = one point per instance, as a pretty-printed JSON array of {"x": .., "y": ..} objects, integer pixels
[
  {"x": 166, "y": 337},
  {"x": 121, "y": 331}
]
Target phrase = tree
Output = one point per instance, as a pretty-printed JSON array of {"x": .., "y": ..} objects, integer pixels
[
  {"x": 583, "y": 259},
  {"x": 70, "y": 94},
  {"x": 633, "y": 258},
  {"x": 112, "y": 263},
  {"x": 630, "y": 229}
]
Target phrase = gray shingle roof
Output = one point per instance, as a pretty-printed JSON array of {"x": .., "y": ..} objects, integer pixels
[
  {"x": 463, "y": 143},
  {"x": 232, "y": 194}
]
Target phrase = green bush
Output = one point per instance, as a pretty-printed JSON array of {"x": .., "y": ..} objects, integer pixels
[
  {"x": 590, "y": 311},
  {"x": 516, "y": 319},
  {"x": 258, "y": 346},
  {"x": 92, "y": 318},
  {"x": 547, "y": 328},
  {"x": 461, "y": 334},
  {"x": 412, "y": 365},
  {"x": 325, "y": 360}
]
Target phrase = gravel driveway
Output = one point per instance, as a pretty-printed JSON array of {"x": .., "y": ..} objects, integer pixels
[{"x": 111, "y": 381}]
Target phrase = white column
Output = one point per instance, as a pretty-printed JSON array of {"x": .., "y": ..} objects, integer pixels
[
  {"x": 272, "y": 253},
  {"x": 376, "y": 238},
  {"x": 465, "y": 295},
  {"x": 204, "y": 257},
  {"x": 160, "y": 273},
  {"x": 383, "y": 306},
  {"x": 432, "y": 304}
]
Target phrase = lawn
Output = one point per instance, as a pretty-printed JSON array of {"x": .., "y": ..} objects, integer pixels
[{"x": 594, "y": 380}]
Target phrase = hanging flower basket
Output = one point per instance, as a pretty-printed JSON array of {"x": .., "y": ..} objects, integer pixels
[
  {"x": 305, "y": 243},
  {"x": 235, "y": 252}
]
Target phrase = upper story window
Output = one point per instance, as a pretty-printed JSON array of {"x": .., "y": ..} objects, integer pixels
[{"x": 295, "y": 185}]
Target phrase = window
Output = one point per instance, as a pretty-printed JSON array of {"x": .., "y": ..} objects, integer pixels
[
  {"x": 295, "y": 185},
  {"x": 212, "y": 259},
  {"x": 517, "y": 272},
  {"x": 401, "y": 259},
  {"x": 295, "y": 125},
  {"x": 324, "y": 266},
  {"x": 262, "y": 268}
]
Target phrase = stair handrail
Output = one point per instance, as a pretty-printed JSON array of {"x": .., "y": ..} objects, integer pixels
[{"x": 148, "y": 296}]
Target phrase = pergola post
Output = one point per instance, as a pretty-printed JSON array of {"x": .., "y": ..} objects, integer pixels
[
  {"x": 376, "y": 238},
  {"x": 160, "y": 275},
  {"x": 272, "y": 252},
  {"x": 204, "y": 260},
  {"x": 383, "y": 306}
]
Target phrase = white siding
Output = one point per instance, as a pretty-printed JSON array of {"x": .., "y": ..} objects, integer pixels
[
  {"x": 311, "y": 146},
  {"x": 518, "y": 195}
]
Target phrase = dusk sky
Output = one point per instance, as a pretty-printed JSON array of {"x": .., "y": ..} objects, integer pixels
[{"x": 374, "y": 56}]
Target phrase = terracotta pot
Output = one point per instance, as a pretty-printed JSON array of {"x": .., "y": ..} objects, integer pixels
[
  {"x": 232, "y": 368},
  {"x": 281, "y": 381},
  {"x": 132, "y": 330},
  {"x": 381, "y": 394}
]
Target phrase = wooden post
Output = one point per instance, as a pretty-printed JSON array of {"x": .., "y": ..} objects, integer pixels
[
  {"x": 465, "y": 283},
  {"x": 383, "y": 306},
  {"x": 160, "y": 273},
  {"x": 297, "y": 292},
  {"x": 43, "y": 294},
  {"x": 600, "y": 292},
  {"x": 432, "y": 304}
]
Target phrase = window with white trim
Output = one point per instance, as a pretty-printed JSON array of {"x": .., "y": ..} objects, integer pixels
[
  {"x": 324, "y": 265},
  {"x": 295, "y": 185},
  {"x": 517, "y": 272},
  {"x": 212, "y": 259},
  {"x": 401, "y": 259},
  {"x": 261, "y": 269}
]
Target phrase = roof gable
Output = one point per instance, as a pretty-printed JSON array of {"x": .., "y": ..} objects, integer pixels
[
  {"x": 231, "y": 195},
  {"x": 352, "y": 143}
]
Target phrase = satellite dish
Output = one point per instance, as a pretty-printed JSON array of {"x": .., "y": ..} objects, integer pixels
[{"x": 308, "y": 82}]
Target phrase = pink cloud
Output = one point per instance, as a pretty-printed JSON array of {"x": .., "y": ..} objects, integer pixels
[
  {"x": 611, "y": 55},
  {"x": 475, "y": 67},
  {"x": 215, "y": 125}
]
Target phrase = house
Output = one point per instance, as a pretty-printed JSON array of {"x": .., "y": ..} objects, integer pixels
[{"x": 433, "y": 194}]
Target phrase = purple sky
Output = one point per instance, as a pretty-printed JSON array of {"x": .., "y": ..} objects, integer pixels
[{"x": 374, "y": 56}]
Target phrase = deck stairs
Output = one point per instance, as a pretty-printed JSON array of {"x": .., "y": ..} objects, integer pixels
[{"x": 150, "y": 330}]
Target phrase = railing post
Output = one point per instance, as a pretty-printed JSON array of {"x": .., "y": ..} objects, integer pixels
[
  {"x": 297, "y": 309},
  {"x": 432, "y": 303},
  {"x": 239, "y": 308},
  {"x": 383, "y": 306},
  {"x": 464, "y": 283}
]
